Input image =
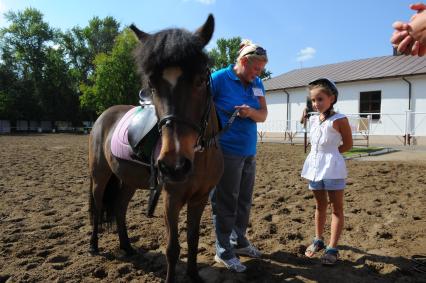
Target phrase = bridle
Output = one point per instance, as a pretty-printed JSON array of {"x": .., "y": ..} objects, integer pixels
[
  {"x": 201, "y": 127},
  {"x": 155, "y": 181}
]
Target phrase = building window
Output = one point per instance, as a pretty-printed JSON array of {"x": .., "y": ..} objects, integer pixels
[{"x": 369, "y": 102}]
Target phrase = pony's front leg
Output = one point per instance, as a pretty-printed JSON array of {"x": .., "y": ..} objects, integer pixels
[
  {"x": 173, "y": 205},
  {"x": 195, "y": 211}
]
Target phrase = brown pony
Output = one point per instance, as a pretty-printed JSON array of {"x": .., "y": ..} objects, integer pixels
[{"x": 174, "y": 69}]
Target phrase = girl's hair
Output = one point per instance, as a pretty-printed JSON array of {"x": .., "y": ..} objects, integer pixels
[
  {"x": 329, "y": 88},
  {"x": 251, "y": 51}
]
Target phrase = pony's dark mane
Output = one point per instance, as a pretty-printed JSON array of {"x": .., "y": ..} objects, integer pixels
[{"x": 171, "y": 47}]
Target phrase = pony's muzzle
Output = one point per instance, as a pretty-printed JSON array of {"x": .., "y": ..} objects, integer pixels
[{"x": 174, "y": 172}]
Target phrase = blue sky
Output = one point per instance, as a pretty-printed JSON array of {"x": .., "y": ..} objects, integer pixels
[{"x": 297, "y": 33}]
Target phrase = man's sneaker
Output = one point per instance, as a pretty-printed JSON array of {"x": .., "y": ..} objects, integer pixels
[
  {"x": 249, "y": 251},
  {"x": 233, "y": 264}
]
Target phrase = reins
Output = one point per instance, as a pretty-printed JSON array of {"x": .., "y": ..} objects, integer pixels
[{"x": 202, "y": 141}]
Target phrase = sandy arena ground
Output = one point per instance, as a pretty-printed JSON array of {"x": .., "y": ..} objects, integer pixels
[{"x": 45, "y": 227}]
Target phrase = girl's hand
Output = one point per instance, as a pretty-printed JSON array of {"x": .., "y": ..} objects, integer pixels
[{"x": 343, "y": 127}]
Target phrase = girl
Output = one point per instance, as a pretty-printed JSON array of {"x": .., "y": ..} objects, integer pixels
[{"x": 325, "y": 167}]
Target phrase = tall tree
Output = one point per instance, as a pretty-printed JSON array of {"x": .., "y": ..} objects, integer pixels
[
  {"x": 115, "y": 79},
  {"x": 24, "y": 44},
  {"x": 59, "y": 100},
  {"x": 82, "y": 45},
  {"x": 226, "y": 53}
]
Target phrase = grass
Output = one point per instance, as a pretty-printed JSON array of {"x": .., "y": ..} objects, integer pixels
[{"x": 361, "y": 151}]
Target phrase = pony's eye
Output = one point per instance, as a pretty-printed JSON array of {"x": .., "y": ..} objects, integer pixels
[{"x": 199, "y": 81}]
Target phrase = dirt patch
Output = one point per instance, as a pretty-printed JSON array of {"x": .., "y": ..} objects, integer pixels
[{"x": 45, "y": 226}]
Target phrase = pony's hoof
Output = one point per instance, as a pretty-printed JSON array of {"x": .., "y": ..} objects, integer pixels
[
  {"x": 129, "y": 251},
  {"x": 195, "y": 277},
  {"x": 93, "y": 251}
]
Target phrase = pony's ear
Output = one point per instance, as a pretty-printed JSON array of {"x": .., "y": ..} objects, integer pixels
[
  {"x": 140, "y": 34},
  {"x": 205, "y": 32}
]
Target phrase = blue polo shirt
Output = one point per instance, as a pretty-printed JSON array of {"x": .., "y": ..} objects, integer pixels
[{"x": 228, "y": 92}]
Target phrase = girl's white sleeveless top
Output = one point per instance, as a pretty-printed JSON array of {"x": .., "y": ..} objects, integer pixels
[{"x": 324, "y": 161}]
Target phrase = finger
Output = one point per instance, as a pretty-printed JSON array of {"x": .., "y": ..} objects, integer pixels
[
  {"x": 400, "y": 25},
  {"x": 422, "y": 50},
  {"x": 404, "y": 44},
  {"x": 398, "y": 36},
  {"x": 409, "y": 48},
  {"x": 415, "y": 48}
]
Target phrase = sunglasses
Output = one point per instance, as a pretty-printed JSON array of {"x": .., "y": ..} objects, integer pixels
[{"x": 258, "y": 51}]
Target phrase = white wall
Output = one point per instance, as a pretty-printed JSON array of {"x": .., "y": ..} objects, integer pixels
[
  {"x": 394, "y": 104},
  {"x": 418, "y": 106}
]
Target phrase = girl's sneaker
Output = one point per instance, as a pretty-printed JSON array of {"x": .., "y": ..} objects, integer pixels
[
  {"x": 316, "y": 246},
  {"x": 330, "y": 256}
]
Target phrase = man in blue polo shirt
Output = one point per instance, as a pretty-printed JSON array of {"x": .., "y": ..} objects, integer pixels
[{"x": 238, "y": 87}]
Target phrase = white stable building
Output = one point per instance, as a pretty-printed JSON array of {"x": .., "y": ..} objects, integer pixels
[{"x": 389, "y": 91}]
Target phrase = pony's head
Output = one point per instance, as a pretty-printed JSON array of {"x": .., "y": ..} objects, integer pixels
[{"x": 174, "y": 70}]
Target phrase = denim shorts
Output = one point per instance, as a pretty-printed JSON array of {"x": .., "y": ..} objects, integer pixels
[{"x": 328, "y": 184}]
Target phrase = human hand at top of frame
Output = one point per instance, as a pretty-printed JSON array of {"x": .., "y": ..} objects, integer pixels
[
  {"x": 410, "y": 38},
  {"x": 244, "y": 110}
]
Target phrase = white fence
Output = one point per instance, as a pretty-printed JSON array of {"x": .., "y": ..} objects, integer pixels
[
  {"x": 406, "y": 125},
  {"x": 22, "y": 126}
]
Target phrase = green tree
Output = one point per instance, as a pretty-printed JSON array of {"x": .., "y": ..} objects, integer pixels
[
  {"x": 59, "y": 100},
  {"x": 115, "y": 79},
  {"x": 82, "y": 45},
  {"x": 226, "y": 53},
  {"x": 23, "y": 46}
]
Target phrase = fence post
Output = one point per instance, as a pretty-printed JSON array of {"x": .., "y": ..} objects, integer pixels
[
  {"x": 408, "y": 127},
  {"x": 305, "y": 135},
  {"x": 369, "y": 118}
]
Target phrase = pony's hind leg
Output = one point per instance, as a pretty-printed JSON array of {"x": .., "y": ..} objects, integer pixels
[
  {"x": 124, "y": 195},
  {"x": 95, "y": 209},
  {"x": 94, "y": 220},
  {"x": 96, "y": 206}
]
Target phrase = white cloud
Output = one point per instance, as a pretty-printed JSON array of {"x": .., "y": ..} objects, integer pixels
[{"x": 306, "y": 54}]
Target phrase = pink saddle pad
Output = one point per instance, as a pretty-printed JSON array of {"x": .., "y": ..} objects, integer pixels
[{"x": 120, "y": 146}]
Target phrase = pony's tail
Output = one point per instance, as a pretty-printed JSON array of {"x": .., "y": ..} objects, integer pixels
[
  {"x": 108, "y": 200},
  {"x": 107, "y": 212}
]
